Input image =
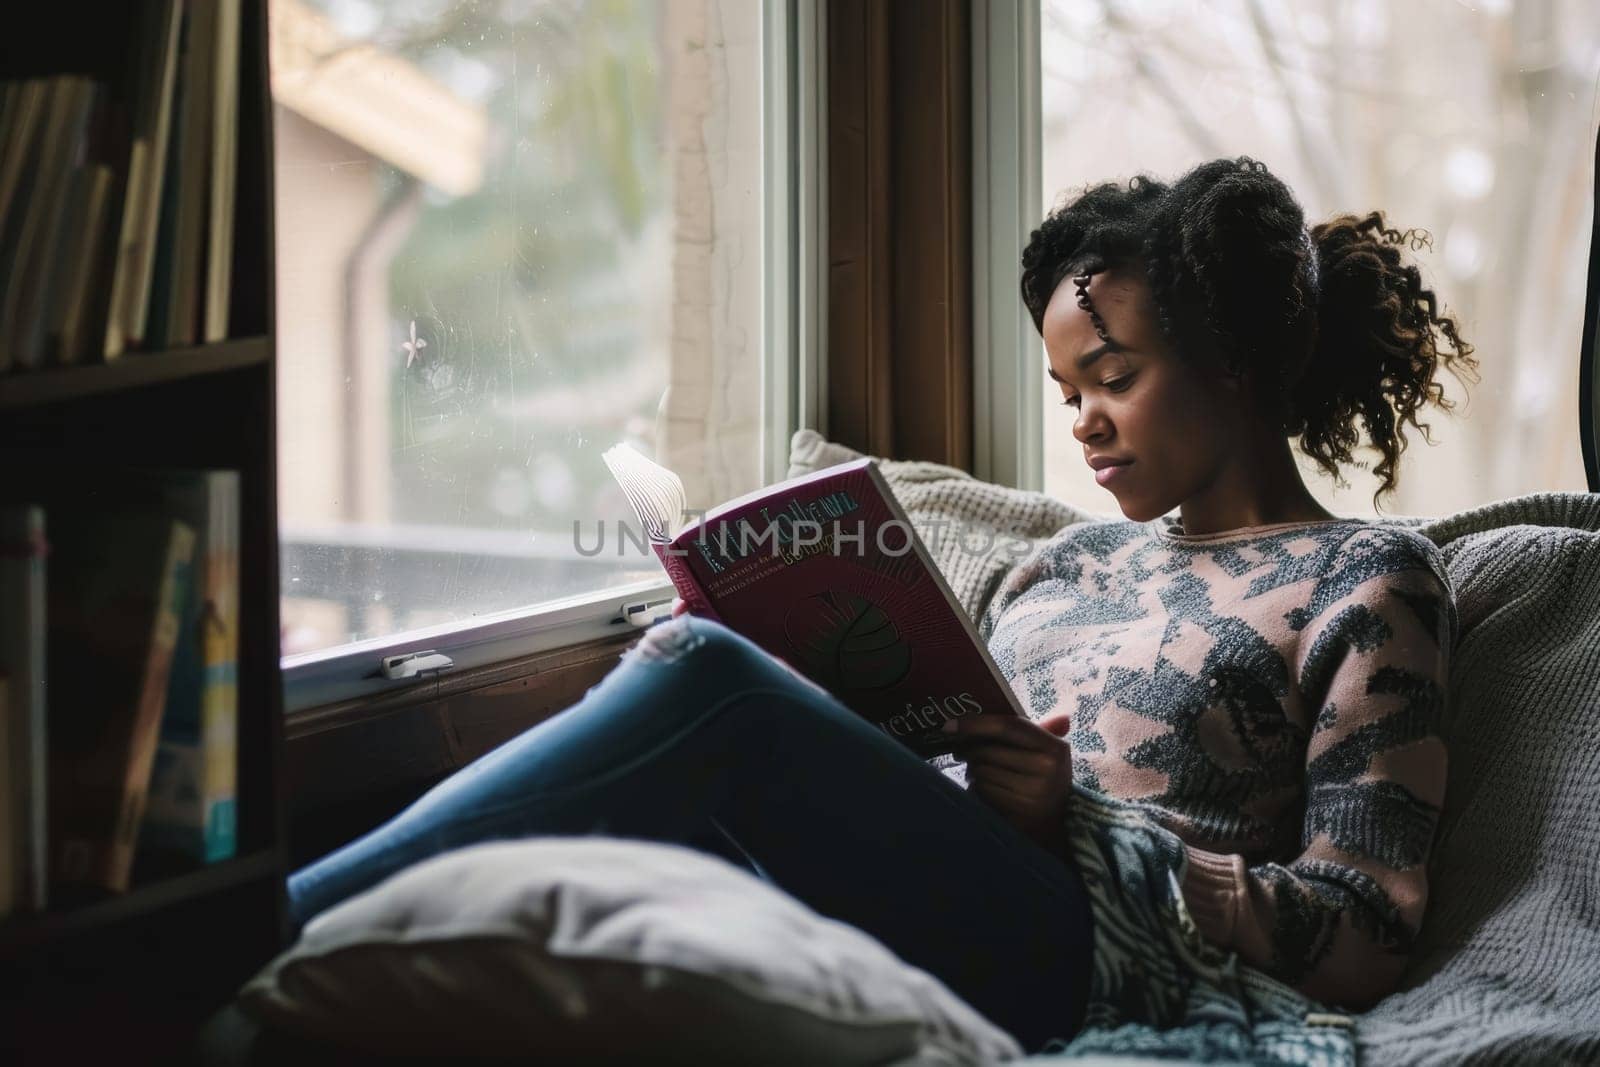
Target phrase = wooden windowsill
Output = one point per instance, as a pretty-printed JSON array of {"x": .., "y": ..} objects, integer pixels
[{"x": 340, "y": 753}]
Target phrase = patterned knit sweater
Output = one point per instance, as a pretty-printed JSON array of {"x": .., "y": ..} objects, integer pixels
[{"x": 1273, "y": 697}]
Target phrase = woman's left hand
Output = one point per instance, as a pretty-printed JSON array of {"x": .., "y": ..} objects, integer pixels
[{"x": 1020, "y": 767}]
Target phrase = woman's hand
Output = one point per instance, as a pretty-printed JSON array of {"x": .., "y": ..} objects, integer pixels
[
  {"x": 679, "y": 607},
  {"x": 1020, "y": 768}
]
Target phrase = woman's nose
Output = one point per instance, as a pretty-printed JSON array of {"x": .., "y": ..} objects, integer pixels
[{"x": 1091, "y": 425}]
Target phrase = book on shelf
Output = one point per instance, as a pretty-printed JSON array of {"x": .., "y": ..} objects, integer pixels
[
  {"x": 164, "y": 262},
  {"x": 117, "y": 205},
  {"x": 157, "y": 49},
  {"x": 190, "y": 165},
  {"x": 23, "y": 115},
  {"x": 22, "y": 660},
  {"x": 31, "y": 254},
  {"x": 121, "y": 659},
  {"x": 826, "y": 573},
  {"x": 191, "y": 815},
  {"x": 75, "y": 314},
  {"x": 117, "y": 585},
  {"x": 224, "y": 147},
  {"x": 54, "y": 208},
  {"x": 19, "y": 116}
]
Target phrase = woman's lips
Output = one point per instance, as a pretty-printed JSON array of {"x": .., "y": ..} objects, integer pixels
[{"x": 1107, "y": 475}]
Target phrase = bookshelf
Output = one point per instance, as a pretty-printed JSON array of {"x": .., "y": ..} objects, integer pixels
[{"x": 132, "y": 974}]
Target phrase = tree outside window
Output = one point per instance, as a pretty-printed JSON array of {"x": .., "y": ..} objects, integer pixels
[
  {"x": 509, "y": 235},
  {"x": 1475, "y": 122}
]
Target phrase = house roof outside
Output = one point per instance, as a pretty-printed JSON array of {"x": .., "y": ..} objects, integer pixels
[{"x": 376, "y": 100}]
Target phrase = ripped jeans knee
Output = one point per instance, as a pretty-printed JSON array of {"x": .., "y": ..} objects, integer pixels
[{"x": 675, "y": 639}]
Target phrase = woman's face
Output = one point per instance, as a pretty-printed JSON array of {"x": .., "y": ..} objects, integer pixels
[{"x": 1167, "y": 424}]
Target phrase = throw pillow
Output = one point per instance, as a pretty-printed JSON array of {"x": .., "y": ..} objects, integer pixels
[{"x": 595, "y": 950}]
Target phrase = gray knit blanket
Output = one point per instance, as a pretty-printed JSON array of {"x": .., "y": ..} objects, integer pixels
[
  {"x": 1507, "y": 966},
  {"x": 1507, "y": 969}
]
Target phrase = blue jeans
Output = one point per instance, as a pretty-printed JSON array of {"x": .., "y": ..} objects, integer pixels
[{"x": 701, "y": 738}]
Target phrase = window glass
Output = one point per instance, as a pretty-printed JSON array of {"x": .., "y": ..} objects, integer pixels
[
  {"x": 508, "y": 236},
  {"x": 1473, "y": 121}
]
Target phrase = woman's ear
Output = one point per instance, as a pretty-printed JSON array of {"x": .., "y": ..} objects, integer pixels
[{"x": 1221, "y": 366}]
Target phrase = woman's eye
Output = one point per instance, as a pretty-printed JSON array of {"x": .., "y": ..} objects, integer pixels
[{"x": 1115, "y": 385}]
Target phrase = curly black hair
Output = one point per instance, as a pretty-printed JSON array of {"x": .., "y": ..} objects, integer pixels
[{"x": 1332, "y": 324}]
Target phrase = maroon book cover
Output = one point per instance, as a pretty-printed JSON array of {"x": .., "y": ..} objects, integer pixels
[{"x": 825, "y": 572}]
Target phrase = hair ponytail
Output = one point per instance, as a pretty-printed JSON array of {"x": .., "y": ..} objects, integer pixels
[{"x": 1377, "y": 347}]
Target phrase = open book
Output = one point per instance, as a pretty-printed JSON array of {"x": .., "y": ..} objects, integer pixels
[{"x": 825, "y": 572}]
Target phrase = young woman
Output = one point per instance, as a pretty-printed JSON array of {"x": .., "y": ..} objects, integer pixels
[{"x": 1264, "y": 678}]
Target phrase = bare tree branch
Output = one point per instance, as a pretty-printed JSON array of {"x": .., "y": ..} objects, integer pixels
[
  {"x": 1321, "y": 161},
  {"x": 1152, "y": 72}
]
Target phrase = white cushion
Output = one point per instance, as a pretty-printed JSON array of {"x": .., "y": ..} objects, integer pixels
[{"x": 597, "y": 950}]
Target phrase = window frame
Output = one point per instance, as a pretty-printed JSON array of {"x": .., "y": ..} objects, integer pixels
[
  {"x": 793, "y": 385},
  {"x": 1007, "y": 172},
  {"x": 1589, "y": 358}
]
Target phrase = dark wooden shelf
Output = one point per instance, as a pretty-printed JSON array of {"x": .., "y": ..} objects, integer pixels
[
  {"x": 22, "y": 931},
  {"x": 55, "y": 385}
]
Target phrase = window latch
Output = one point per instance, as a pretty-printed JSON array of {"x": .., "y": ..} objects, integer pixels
[
  {"x": 643, "y": 613},
  {"x": 413, "y": 664}
]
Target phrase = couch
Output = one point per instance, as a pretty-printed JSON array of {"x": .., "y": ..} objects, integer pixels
[{"x": 1507, "y": 968}]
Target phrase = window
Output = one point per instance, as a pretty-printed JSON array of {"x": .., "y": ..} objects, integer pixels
[
  {"x": 1475, "y": 122},
  {"x": 508, "y": 236}
]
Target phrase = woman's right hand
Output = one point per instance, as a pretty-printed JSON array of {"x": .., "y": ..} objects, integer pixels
[
  {"x": 1020, "y": 768},
  {"x": 679, "y": 607}
]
